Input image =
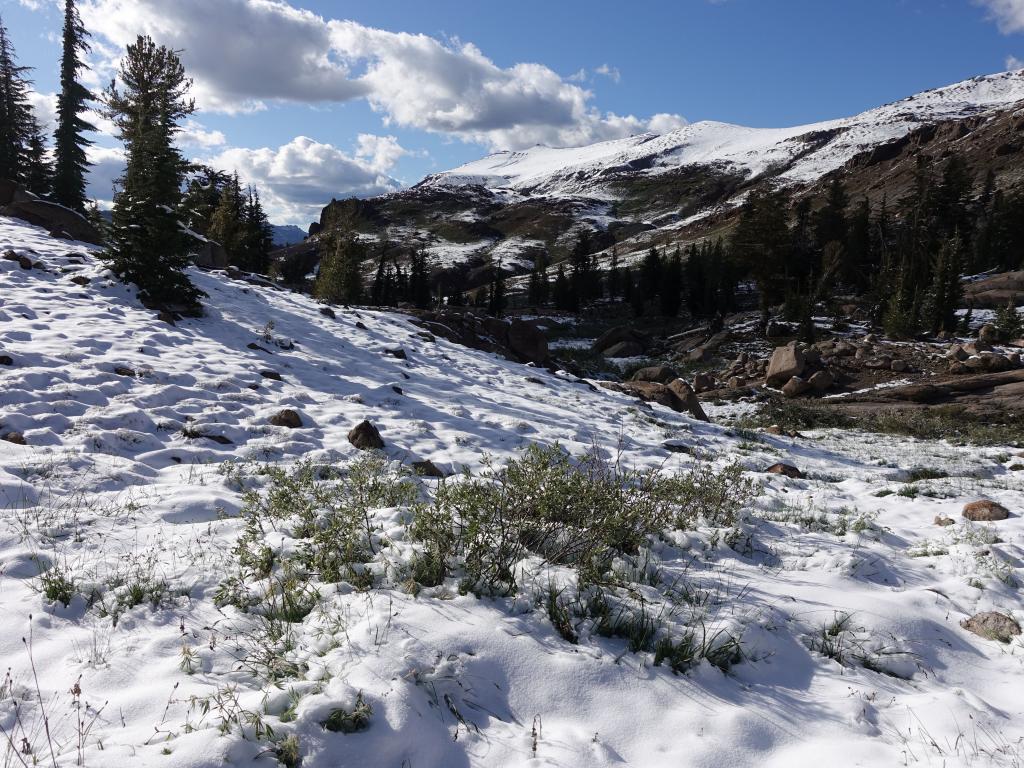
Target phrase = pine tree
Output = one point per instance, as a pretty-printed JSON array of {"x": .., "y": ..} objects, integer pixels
[
  {"x": 614, "y": 281},
  {"x": 562, "y": 292},
  {"x": 148, "y": 245},
  {"x": 380, "y": 293},
  {"x": 649, "y": 282},
  {"x": 201, "y": 198},
  {"x": 533, "y": 288},
  {"x": 671, "y": 289},
  {"x": 19, "y": 130},
  {"x": 419, "y": 280},
  {"x": 339, "y": 280},
  {"x": 70, "y": 161},
  {"x": 226, "y": 224},
  {"x": 39, "y": 170},
  {"x": 257, "y": 235},
  {"x": 496, "y": 300}
]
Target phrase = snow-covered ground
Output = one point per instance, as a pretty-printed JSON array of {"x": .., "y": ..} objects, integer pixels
[
  {"x": 572, "y": 170},
  {"x": 109, "y": 492}
]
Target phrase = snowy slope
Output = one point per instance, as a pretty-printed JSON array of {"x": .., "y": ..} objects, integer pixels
[
  {"x": 107, "y": 485},
  {"x": 579, "y": 170}
]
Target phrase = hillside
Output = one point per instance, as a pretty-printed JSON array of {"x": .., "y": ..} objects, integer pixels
[
  {"x": 193, "y": 597},
  {"x": 508, "y": 208}
]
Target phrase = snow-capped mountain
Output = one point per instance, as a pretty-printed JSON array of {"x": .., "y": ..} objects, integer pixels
[
  {"x": 806, "y": 151},
  {"x": 510, "y": 207}
]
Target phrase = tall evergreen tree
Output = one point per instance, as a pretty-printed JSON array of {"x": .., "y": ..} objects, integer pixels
[
  {"x": 227, "y": 223},
  {"x": 148, "y": 245},
  {"x": 70, "y": 161},
  {"x": 18, "y": 126},
  {"x": 339, "y": 279},
  {"x": 419, "y": 280},
  {"x": 258, "y": 237},
  {"x": 496, "y": 300},
  {"x": 671, "y": 290},
  {"x": 562, "y": 293}
]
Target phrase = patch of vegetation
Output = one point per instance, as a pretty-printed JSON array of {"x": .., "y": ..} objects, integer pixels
[
  {"x": 349, "y": 721},
  {"x": 939, "y": 422}
]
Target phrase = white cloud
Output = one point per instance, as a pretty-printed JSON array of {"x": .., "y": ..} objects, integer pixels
[
  {"x": 612, "y": 73},
  {"x": 107, "y": 166},
  {"x": 195, "y": 134},
  {"x": 1012, "y": 62},
  {"x": 44, "y": 105},
  {"x": 1008, "y": 14},
  {"x": 296, "y": 179},
  {"x": 245, "y": 53}
]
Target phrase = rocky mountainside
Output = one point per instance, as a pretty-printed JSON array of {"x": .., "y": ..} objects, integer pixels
[{"x": 509, "y": 207}]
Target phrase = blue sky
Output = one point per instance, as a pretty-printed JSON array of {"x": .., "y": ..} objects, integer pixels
[{"x": 318, "y": 99}]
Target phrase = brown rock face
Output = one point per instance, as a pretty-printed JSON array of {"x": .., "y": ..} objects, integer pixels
[
  {"x": 992, "y": 625},
  {"x": 786, "y": 363},
  {"x": 688, "y": 397},
  {"x": 821, "y": 381},
  {"x": 365, "y": 437},
  {"x": 286, "y": 418},
  {"x": 796, "y": 387},
  {"x": 985, "y": 510},
  {"x": 426, "y": 468}
]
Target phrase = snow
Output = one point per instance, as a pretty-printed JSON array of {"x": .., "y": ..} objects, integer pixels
[
  {"x": 576, "y": 170},
  {"x": 108, "y": 487}
]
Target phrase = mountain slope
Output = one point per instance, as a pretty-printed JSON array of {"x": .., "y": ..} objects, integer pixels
[
  {"x": 509, "y": 208},
  {"x": 129, "y": 509}
]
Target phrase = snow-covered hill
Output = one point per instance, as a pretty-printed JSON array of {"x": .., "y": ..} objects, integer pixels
[
  {"x": 844, "y": 597},
  {"x": 808, "y": 151}
]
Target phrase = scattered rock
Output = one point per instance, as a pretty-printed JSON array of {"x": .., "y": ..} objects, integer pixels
[
  {"x": 796, "y": 387},
  {"x": 219, "y": 439},
  {"x": 992, "y": 625},
  {"x": 899, "y": 366},
  {"x": 286, "y": 418},
  {"x": 787, "y": 470},
  {"x": 700, "y": 355},
  {"x": 527, "y": 342},
  {"x": 944, "y": 521},
  {"x": 988, "y": 334},
  {"x": 14, "y": 437},
  {"x": 821, "y": 381},
  {"x": 786, "y": 362},
  {"x": 365, "y": 437},
  {"x": 360, "y": 325},
  {"x": 702, "y": 382},
  {"x": 976, "y": 347},
  {"x": 271, "y": 375},
  {"x": 328, "y": 312},
  {"x": 662, "y": 374},
  {"x": 6, "y": 360},
  {"x": 617, "y": 335},
  {"x": 426, "y": 468},
  {"x": 957, "y": 352},
  {"x": 688, "y": 397},
  {"x": 397, "y": 352},
  {"x": 624, "y": 349},
  {"x": 735, "y": 382},
  {"x": 984, "y": 510},
  {"x": 80, "y": 280},
  {"x": 254, "y": 346},
  {"x": 674, "y": 446},
  {"x": 166, "y": 317},
  {"x": 124, "y": 370}
]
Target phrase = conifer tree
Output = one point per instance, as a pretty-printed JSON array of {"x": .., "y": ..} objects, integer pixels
[
  {"x": 614, "y": 281},
  {"x": 496, "y": 300},
  {"x": 339, "y": 280},
  {"x": 419, "y": 280},
  {"x": 227, "y": 223},
  {"x": 258, "y": 235},
  {"x": 19, "y": 131},
  {"x": 148, "y": 245},
  {"x": 201, "y": 198},
  {"x": 562, "y": 292},
  {"x": 70, "y": 161},
  {"x": 671, "y": 289},
  {"x": 38, "y": 169}
]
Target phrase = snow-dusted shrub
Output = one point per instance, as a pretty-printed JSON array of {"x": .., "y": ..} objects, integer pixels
[{"x": 578, "y": 511}]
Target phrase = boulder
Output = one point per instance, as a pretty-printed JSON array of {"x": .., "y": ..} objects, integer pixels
[
  {"x": 976, "y": 347},
  {"x": 365, "y": 436},
  {"x": 957, "y": 352},
  {"x": 426, "y": 468},
  {"x": 988, "y": 334},
  {"x": 992, "y": 625},
  {"x": 328, "y": 312},
  {"x": 617, "y": 335},
  {"x": 6, "y": 360},
  {"x": 821, "y": 381},
  {"x": 624, "y": 349},
  {"x": 788, "y": 470},
  {"x": 700, "y": 355},
  {"x": 786, "y": 362},
  {"x": 688, "y": 397},
  {"x": 60, "y": 221},
  {"x": 662, "y": 374},
  {"x": 14, "y": 437},
  {"x": 286, "y": 418},
  {"x": 985, "y": 510},
  {"x": 796, "y": 387},
  {"x": 527, "y": 342},
  {"x": 943, "y": 521},
  {"x": 273, "y": 375},
  {"x": 735, "y": 382},
  {"x": 702, "y": 382},
  {"x": 899, "y": 366}
]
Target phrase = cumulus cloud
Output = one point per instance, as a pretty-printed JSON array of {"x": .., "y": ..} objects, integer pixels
[
  {"x": 612, "y": 73},
  {"x": 1012, "y": 62},
  {"x": 297, "y": 178},
  {"x": 246, "y": 53},
  {"x": 1008, "y": 14},
  {"x": 195, "y": 134},
  {"x": 44, "y": 105},
  {"x": 107, "y": 167}
]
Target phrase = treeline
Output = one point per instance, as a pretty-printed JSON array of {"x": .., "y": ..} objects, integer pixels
[
  {"x": 217, "y": 206},
  {"x": 161, "y": 200},
  {"x": 340, "y": 278}
]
